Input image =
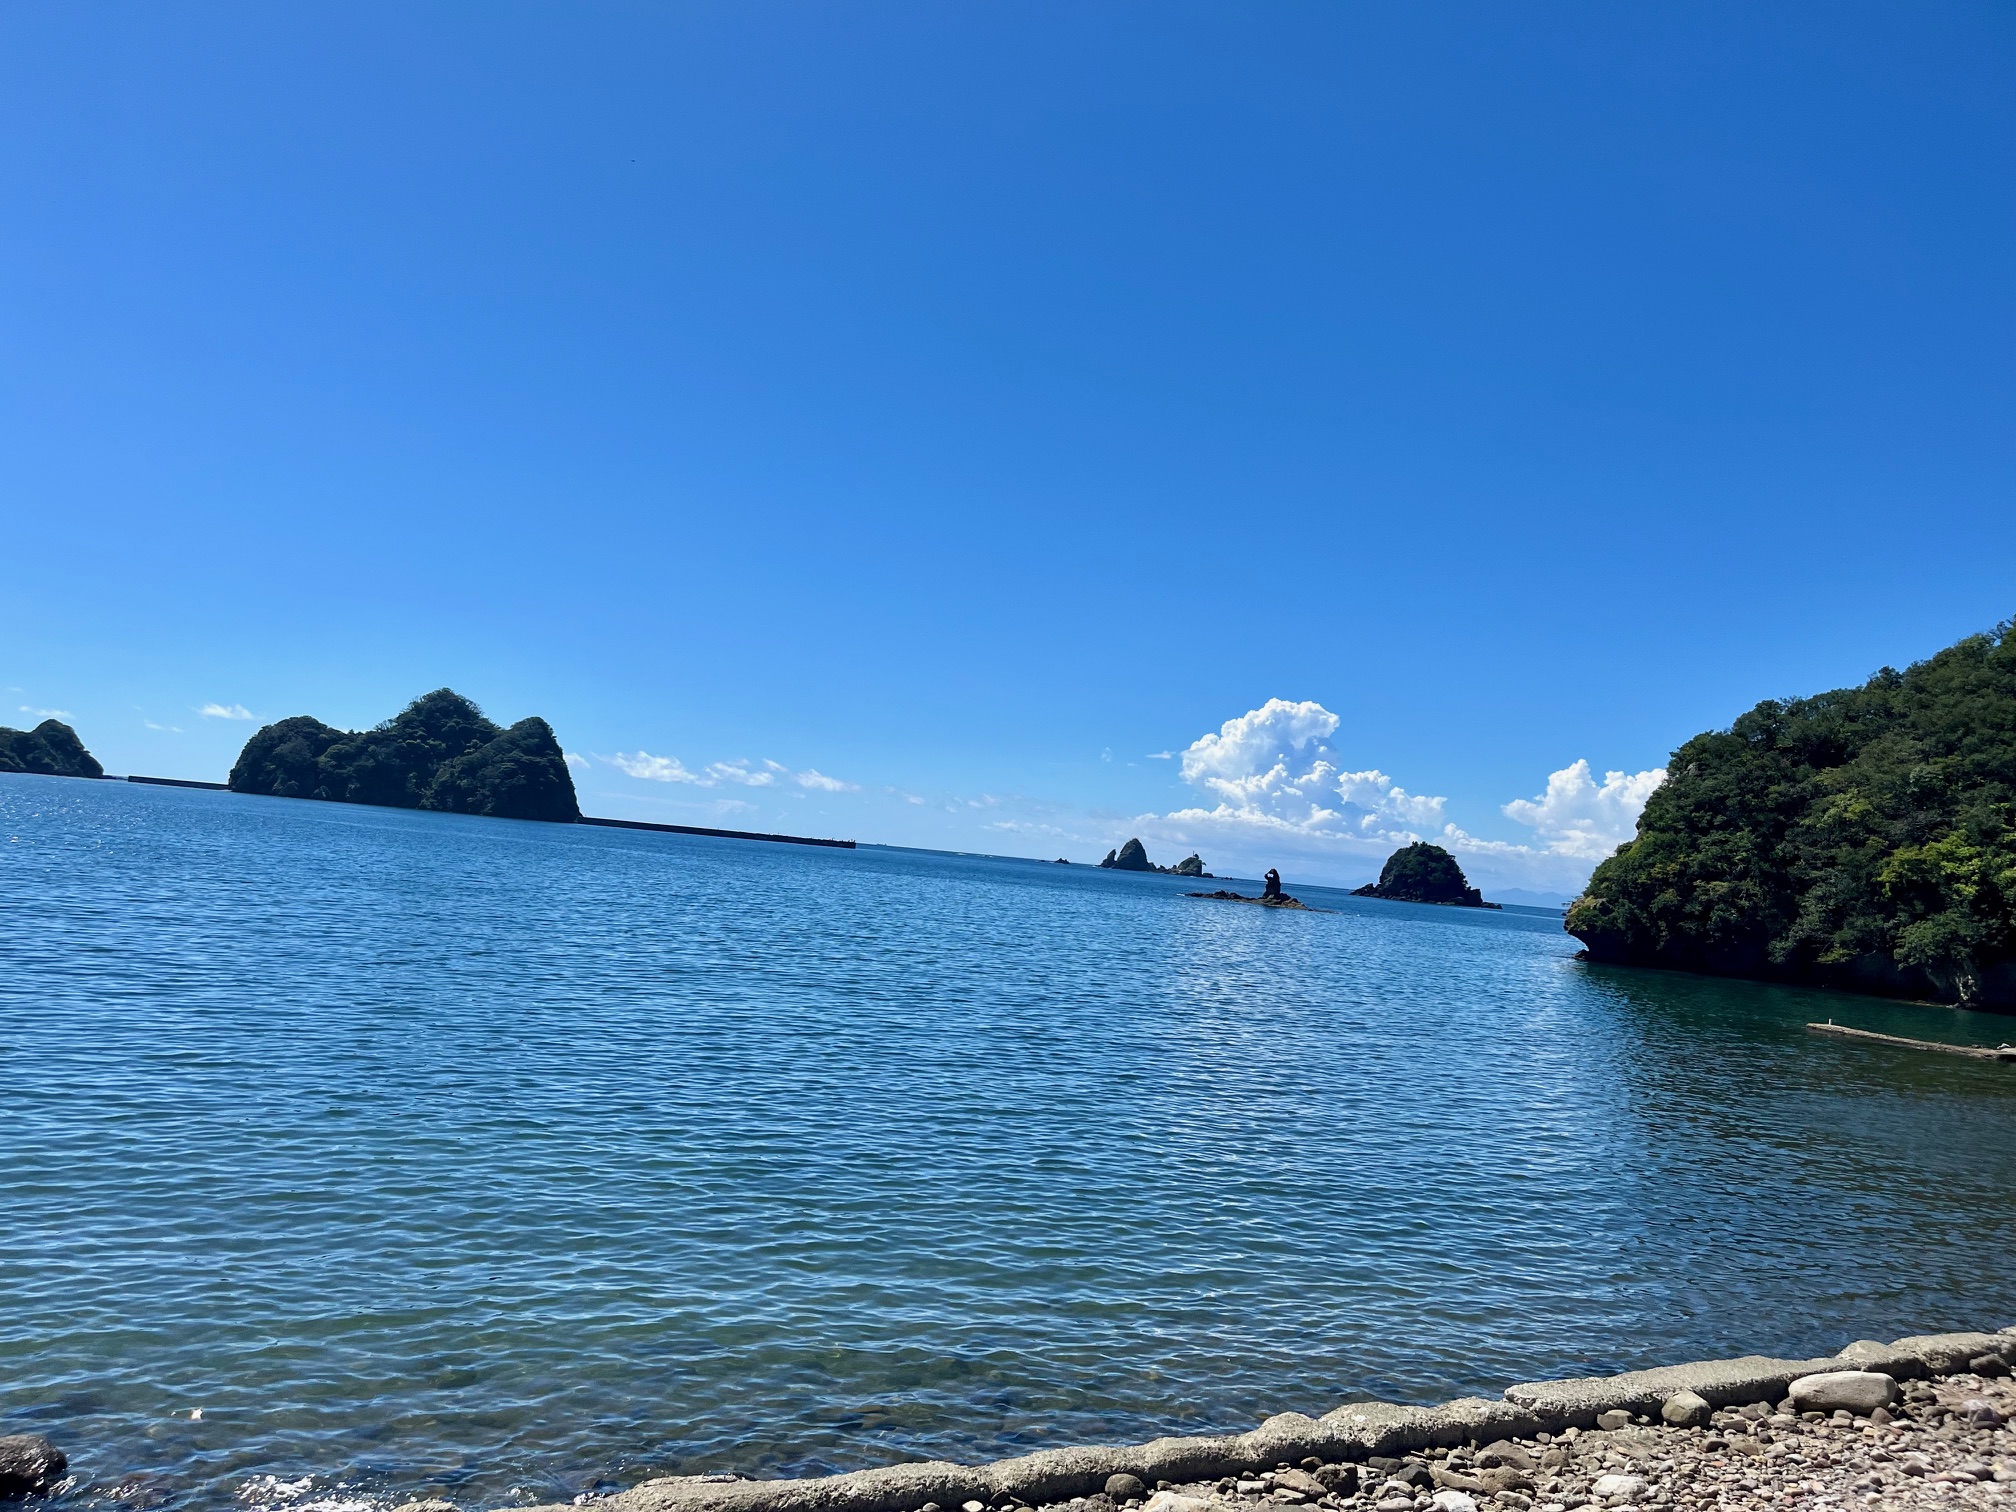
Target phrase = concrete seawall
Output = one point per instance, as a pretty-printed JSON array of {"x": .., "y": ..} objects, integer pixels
[{"x": 1355, "y": 1431}]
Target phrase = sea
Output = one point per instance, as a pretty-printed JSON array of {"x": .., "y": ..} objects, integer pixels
[{"x": 354, "y": 1155}]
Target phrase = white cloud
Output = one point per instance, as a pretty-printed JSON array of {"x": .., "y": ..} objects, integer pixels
[
  {"x": 812, "y": 777},
  {"x": 1272, "y": 772},
  {"x": 1161, "y": 755},
  {"x": 575, "y": 760},
  {"x": 166, "y": 729},
  {"x": 226, "y": 711},
  {"x": 1577, "y": 817},
  {"x": 742, "y": 772},
  {"x": 1279, "y": 789},
  {"x": 46, "y": 713},
  {"x": 655, "y": 768}
]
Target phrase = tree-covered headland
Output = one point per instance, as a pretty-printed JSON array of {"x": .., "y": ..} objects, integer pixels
[
  {"x": 51, "y": 748},
  {"x": 1864, "y": 838},
  {"x": 439, "y": 752}
]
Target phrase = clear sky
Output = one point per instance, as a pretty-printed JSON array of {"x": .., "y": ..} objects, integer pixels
[{"x": 928, "y": 423}]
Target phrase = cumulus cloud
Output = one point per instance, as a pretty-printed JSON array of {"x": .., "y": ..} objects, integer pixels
[
  {"x": 1577, "y": 816},
  {"x": 226, "y": 711},
  {"x": 46, "y": 713},
  {"x": 1275, "y": 785},
  {"x": 655, "y": 768},
  {"x": 1272, "y": 769}
]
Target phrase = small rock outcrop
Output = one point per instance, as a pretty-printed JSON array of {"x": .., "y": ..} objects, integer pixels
[
  {"x": 29, "y": 1465},
  {"x": 51, "y": 749},
  {"x": 1133, "y": 856},
  {"x": 1423, "y": 873},
  {"x": 439, "y": 752}
]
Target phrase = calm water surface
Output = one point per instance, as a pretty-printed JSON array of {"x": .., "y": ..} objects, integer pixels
[{"x": 428, "y": 1155}]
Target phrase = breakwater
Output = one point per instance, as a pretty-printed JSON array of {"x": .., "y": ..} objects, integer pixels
[
  {"x": 632, "y": 824},
  {"x": 719, "y": 834},
  {"x": 1188, "y": 1472}
]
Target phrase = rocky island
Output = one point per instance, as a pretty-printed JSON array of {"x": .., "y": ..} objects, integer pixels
[
  {"x": 1423, "y": 873},
  {"x": 51, "y": 749},
  {"x": 1133, "y": 856},
  {"x": 439, "y": 752},
  {"x": 1862, "y": 839},
  {"x": 1271, "y": 895}
]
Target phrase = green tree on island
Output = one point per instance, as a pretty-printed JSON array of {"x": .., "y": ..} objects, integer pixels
[
  {"x": 1864, "y": 838},
  {"x": 439, "y": 752}
]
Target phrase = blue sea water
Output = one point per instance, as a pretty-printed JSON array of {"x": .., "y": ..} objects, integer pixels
[{"x": 352, "y": 1155}]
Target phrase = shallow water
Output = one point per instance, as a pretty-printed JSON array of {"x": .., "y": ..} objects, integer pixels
[{"x": 429, "y": 1155}]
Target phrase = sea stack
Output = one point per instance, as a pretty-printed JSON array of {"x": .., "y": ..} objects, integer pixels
[{"x": 1423, "y": 873}]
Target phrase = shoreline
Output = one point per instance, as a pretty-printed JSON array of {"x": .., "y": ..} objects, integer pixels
[{"x": 1555, "y": 1446}]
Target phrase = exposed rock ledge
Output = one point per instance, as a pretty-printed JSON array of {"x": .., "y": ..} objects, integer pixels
[{"x": 1327, "y": 1453}]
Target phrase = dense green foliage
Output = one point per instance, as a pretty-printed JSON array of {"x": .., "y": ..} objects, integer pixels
[
  {"x": 514, "y": 774},
  {"x": 51, "y": 748},
  {"x": 1423, "y": 873},
  {"x": 1862, "y": 838},
  {"x": 439, "y": 752}
]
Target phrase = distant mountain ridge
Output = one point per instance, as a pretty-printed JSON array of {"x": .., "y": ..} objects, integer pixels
[{"x": 439, "y": 752}]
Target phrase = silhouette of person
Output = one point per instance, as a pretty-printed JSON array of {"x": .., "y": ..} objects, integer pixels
[{"x": 1273, "y": 881}]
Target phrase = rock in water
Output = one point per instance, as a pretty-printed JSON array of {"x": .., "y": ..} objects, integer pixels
[
  {"x": 1858, "y": 1391},
  {"x": 51, "y": 748},
  {"x": 1423, "y": 873},
  {"x": 1191, "y": 865},
  {"x": 1130, "y": 857},
  {"x": 29, "y": 1465}
]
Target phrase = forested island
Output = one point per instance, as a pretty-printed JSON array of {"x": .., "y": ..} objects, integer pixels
[
  {"x": 439, "y": 752},
  {"x": 1423, "y": 873},
  {"x": 1864, "y": 838},
  {"x": 51, "y": 749}
]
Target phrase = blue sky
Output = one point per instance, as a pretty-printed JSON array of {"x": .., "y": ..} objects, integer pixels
[{"x": 966, "y": 405}]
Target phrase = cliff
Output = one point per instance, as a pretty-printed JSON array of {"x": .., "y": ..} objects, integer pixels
[
  {"x": 1863, "y": 838},
  {"x": 1423, "y": 873},
  {"x": 439, "y": 752},
  {"x": 51, "y": 748}
]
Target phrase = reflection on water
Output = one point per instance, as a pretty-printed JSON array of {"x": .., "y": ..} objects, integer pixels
[{"x": 428, "y": 1155}]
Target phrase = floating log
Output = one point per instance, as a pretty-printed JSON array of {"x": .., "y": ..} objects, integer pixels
[{"x": 1974, "y": 1052}]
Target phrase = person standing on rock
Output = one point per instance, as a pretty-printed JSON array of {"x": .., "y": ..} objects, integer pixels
[{"x": 1273, "y": 881}]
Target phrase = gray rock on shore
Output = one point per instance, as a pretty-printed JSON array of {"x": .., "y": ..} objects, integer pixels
[
  {"x": 29, "y": 1466},
  {"x": 1858, "y": 1391}
]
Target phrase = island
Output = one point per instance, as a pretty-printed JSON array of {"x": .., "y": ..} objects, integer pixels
[
  {"x": 1133, "y": 856},
  {"x": 51, "y": 749},
  {"x": 439, "y": 752},
  {"x": 1862, "y": 839},
  {"x": 1423, "y": 873}
]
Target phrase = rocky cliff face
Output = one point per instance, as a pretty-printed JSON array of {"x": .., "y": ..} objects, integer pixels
[
  {"x": 51, "y": 748},
  {"x": 439, "y": 752},
  {"x": 1133, "y": 856},
  {"x": 1423, "y": 873}
]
